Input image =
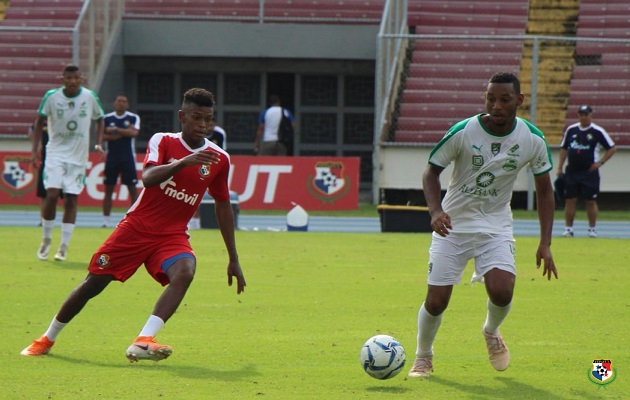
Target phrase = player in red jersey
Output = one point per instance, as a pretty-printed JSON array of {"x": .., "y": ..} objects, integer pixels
[{"x": 178, "y": 169}]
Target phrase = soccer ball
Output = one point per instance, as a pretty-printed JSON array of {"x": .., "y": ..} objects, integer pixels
[{"x": 382, "y": 357}]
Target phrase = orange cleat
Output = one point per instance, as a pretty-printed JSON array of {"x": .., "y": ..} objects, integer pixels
[
  {"x": 39, "y": 347},
  {"x": 145, "y": 348}
]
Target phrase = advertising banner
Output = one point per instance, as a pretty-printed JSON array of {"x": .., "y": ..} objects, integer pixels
[{"x": 262, "y": 183}]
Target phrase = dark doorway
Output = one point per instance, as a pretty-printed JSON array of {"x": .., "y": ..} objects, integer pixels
[{"x": 282, "y": 85}]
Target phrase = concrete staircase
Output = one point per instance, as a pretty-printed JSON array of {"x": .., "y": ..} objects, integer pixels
[{"x": 555, "y": 64}]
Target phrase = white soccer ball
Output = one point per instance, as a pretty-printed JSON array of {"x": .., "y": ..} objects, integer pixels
[{"x": 382, "y": 357}]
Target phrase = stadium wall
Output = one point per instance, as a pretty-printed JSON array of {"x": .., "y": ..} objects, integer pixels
[
  {"x": 229, "y": 39},
  {"x": 402, "y": 168}
]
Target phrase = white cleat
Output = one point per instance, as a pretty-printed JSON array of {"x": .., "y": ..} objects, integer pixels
[
  {"x": 44, "y": 249},
  {"x": 422, "y": 367},
  {"x": 61, "y": 253},
  {"x": 498, "y": 353}
]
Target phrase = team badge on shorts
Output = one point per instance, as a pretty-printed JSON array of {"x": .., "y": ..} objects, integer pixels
[
  {"x": 103, "y": 261},
  {"x": 602, "y": 372}
]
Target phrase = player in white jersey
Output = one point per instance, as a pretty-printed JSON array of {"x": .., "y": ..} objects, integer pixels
[
  {"x": 474, "y": 221},
  {"x": 69, "y": 111}
]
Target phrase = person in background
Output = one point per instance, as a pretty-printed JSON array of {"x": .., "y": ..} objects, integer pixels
[
  {"x": 121, "y": 129},
  {"x": 582, "y": 145},
  {"x": 474, "y": 220},
  {"x": 267, "y": 142},
  {"x": 216, "y": 135},
  {"x": 41, "y": 190},
  {"x": 68, "y": 112},
  {"x": 178, "y": 169}
]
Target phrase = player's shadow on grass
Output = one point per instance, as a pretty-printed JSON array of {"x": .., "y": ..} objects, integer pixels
[
  {"x": 186, "y": 371},
  {"x": 386, "y": 389},
  {"x": 67, "y": 265},
  {"x": 512, "y": 389}
]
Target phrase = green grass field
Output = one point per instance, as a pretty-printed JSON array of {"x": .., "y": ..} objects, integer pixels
[{"x": 312, "y": 300}]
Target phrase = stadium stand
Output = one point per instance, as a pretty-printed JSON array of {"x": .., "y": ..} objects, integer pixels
[
  {"x": 446, "y": 78},
  {"x": 444, "y": 81},
  {"x": 348, "y": 11},
  {"x": 31, "y": 60},
  {"x": 601, "y": 76}
]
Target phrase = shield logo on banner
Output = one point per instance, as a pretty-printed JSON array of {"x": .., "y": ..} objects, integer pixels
[
  {"x": 329, "y": 177},
  {"x": 17, "y": 174}
]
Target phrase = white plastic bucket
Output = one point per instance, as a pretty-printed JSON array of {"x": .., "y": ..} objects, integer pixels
[{"x": 297, "y": 219}]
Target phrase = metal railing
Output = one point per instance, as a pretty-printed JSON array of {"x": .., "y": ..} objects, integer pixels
[{"x": 390, "y": 58}]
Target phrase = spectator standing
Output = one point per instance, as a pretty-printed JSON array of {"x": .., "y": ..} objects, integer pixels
[
  {"x": 267, "y": 141},
  {"x": 582, "y": 145},
  {"x": 121, "y": 129},
  {"x": 69, "y": 111},
  {"x": 178, "y": 169},
  {"x": 217, "y": 135},
  {"x": 474, "y": 220}
]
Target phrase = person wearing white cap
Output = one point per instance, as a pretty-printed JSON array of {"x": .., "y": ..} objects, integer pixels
[{"x": 582, "y": 145}]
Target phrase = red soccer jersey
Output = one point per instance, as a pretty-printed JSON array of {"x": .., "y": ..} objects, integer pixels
[{"x": 166, "y": 208}]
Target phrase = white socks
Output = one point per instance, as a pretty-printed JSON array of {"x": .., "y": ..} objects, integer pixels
[
  {"x": 152, "y": 327},
  {"x": 54, "y": 329},
  {"x": 495, "y": 317},
  {"x": 66, "y": 233},
  {"x": 47, "y": 228},
  {"x": 427, "y": 329}
]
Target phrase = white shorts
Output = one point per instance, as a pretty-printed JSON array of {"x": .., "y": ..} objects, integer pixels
[
  {"x": 62, "y": 175},
  {"x": 448, "y": 256}
]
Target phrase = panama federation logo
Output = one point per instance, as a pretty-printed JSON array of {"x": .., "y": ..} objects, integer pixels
[
  {"x": 329, "y": 182},
  {"x": 103, "y": 261},
  {"x": 204, "y": 171},
  {"x": 602, "y": 372},
  {"x": 18, "y": 176}
]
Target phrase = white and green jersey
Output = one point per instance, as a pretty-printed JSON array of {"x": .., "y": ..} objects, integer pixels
[
  {"x": 69, "y": 120},
  {"x": 484, "y": 171}
]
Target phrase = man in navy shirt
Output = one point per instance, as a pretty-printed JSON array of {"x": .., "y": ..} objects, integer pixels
[
  {"x": 121, "y": 129},
  {"x": 582, "y": 144}
]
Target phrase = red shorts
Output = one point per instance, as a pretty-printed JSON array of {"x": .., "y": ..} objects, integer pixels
[{"x": 126, "y": 250}]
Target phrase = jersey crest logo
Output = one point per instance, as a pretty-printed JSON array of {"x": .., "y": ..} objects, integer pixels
[
  {"x": 204, "y": 171},
  {"x": 17, "y": 175},
  {"x": 495, "y": 148}
]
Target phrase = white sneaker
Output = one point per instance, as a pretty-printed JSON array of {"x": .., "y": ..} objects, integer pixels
[
  {"x": 498, "y": 353},
  {"x": 592, "y": 233},
  {"x": 61, "y": 252},
  {"x": 422, "y": 367},
  {"x": 568, "y": 232},
  {"x": 44, "y": 249}
]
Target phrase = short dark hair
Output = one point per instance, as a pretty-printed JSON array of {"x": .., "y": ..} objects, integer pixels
[
  {"x": 274, "y": 98},
  {"x": 507, "y": 77},
  {"x": 70, "y": 68},
  {"x": 198, "y": 96}
]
